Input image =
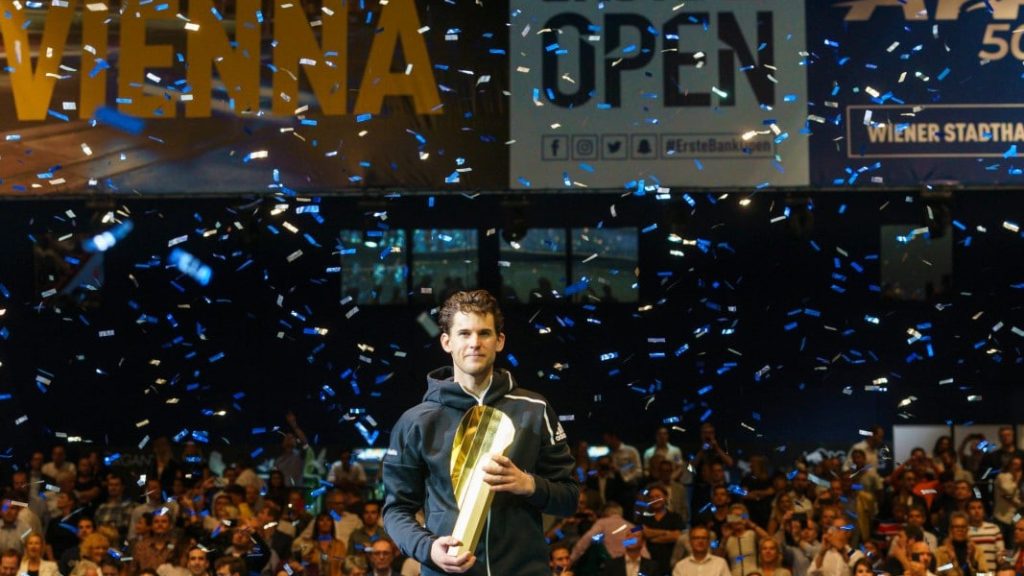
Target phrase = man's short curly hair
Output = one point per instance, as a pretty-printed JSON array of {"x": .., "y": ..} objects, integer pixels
[{"x": 475, "y": 302}]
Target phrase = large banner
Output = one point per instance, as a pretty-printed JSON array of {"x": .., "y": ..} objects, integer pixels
[
  {"x": 706, "y": 94},
  {"x": 914, "y": 92},
  {"x": 193, "y": 96},
  {"x": 244, "y": 95}
]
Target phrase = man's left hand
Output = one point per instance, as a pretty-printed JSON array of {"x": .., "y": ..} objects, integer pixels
[{"x": 504, "y": 476}]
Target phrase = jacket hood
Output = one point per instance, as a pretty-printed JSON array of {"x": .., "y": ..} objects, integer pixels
[{"x": 443, "y": 389}]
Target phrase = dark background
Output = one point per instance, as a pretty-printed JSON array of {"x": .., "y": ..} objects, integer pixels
[{"x": 755, "y": 278}]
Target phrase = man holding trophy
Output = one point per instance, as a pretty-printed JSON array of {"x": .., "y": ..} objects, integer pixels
[{"x": 480, "y": 456}]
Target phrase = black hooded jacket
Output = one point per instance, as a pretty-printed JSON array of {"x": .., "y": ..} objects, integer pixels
[{"x": 417, "y": 475}]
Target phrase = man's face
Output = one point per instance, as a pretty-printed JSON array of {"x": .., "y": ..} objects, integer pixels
[
  {"x": 707, "y": 433},
  {"x": 661, "y": 437},
  {"x": 240, "y": 539},
  {"x": 720, "y": 497},
  {"x": 1006, "y": 437},
  {"x": 336, "y": 502},
  {"x": 838, "y": 535},
  {"x": 909, "y": 480},
  {"x": 717, "y": 473},
  {"x": 922, "y": 552},
  {"x": 859, "y": 460},
  {"x": 19, "y": 480},
  {"x": 958, "y": 529},
  {"x": 371, "y": 515},
  {"x": 381, "y": 555},
  {"x": 976, "y": 512},
  {"x": 9, "y": 566},
  {"x": 1018, "y": 534},
  {"x": 153, "y": 491},
  {"x": 700, "y": 540},
  {"x": 224, "y": 571},
  {"x": 963, "y": 491},
  {"x": 656, "y": 499},
  {"x": 877, "y": 436},
  {"x": 473, "y": 343},
  {"x": 36, "y": 462},
  {"x": 84, "y": 466},
  {"x": 559, "y": 560},
  {"x": 57, "y": 455},
  {"x": 800, "y": 482},
  {"x": 161, "y": 524},
  {"x": 10, "y": 512},
  {"x": 85, "y": 528},
  {"x": 115, "y": 487},
  {"x": 915, "y": 517},
  {"x": 197, "y": 562}
]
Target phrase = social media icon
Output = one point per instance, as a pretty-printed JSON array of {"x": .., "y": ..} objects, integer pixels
[
  {"x": 643, "y": 146},
  {"x": 584, "y": 147},
  {"x": 555, "y": 147},
  {"x": 613, "y": 147}
]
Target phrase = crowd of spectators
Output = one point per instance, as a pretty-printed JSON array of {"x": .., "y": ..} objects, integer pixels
[
  {"x": 947, "y": 512},
  {"x": 660, "y": 511},
  {"x": 89, "y": 517}
]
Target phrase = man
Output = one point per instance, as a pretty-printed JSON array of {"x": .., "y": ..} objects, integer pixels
[
  {"x": 58, "y": 465},
  {"x": 198, "y": 564},
  {"x": 801, "y": 493},
  {"x": 248, "y": 546},
  {"x": 625, "y": 458},
  {"x": 607, "y": 482},
  {"x": 36, "y": 512},
  {"x": 999, "y": 460},
  {"x": 985, "y": 535},
  {"x": 661, "y": 529},
  {"x": 535, "y": 477},
  {"x": 916, "y": 516},
  {"x": 872, "y": 446},
  {"x": 676, "y": 499},
  {"x": 920, "y": 560},
  {"x": 12, "y": 529},
  {"x": 345, "y": 522},
  {"x": 559, "y": 561},
  {"x": 156, "y": 548},
  {"x": 370, "y": 532},
  {"x": 701, "y": 562},
  {"x": 155, "y": 504},
  {"x": 611, "y": 529},
  {"x": 669, "y": 452},
  {"x": 268, "y": 521},
  {"x": 382, "y": 554},
  {"x": 714, "y": 516},
  {"x": 10, "y": 560},
  {"x": 117, "y": 510},
  {"x": 71, "y": 556},
  {"x": 836, "y": 558},
  {"x": 293, "y": 453},
  {"x": 230, "y": 566},
  {"x": 632, "y": 563},
  {"x": 709, "y": 466}
]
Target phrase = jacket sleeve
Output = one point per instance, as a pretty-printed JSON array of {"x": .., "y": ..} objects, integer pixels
[
  {"x": 404, "y": 482},
  {"x": 557, "y": 491}
]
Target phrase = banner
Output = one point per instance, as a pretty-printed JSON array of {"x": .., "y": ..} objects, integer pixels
[
  {"x": 706, "y": 94},
  {"x": 241, "y": 96},
  {"x": 911, "y": 92}
]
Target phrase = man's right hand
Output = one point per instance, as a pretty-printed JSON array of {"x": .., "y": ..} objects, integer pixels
[{"x": 452, "y": 564}]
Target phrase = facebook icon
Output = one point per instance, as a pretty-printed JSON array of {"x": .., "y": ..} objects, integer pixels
[{"x": 555, "y": 147}]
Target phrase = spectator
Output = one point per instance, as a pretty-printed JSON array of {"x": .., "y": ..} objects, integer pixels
[
  {"x": 273, "y": 532},
  {"x": 676, "y": 500},
  {"x": 672, "y": 454},
  {"x": 769, "y": 560},
  {"x": 1007, "y": 496},
  {"x": 60, "y": 532},
  {"x": 155, "y": 548},
  {"x": 382, "y": 555},
  {"x": 704, "y": 464},
  {"x": 58, "y": 465},
  {"x": 558, "y": 559},
  {"x": 625, "y": 459},
  {"x": 759, "y": 490},
  {"x": 873, "y": 447},
  {"x": 740, "y": 540},
  {"x": 1015, "y": 557},
  {"x": 321, "y": 546},
  {"x": 33, "y": 563},
  {"x": 292, "y": 459},
  {"x": 369, "y": 532},
  {"x": 700, "y": 562},
  {"x": 117, "y": 510},
  {"x": 230, "y": 566},
  {"x": 614, "y": 530},
  {"x": 633, "y": 561},
  {"x": 986, "y": 536},
  {"x": 607, "y": 482},
  {"x": 661, "y": 528},
  {"x": 958, "y": 552},
  {"x": 10, "y": 561},
  {"x": 70, "y": 557},
  {"x": 36, "y": 513},
  {"x": 347, "y": 470},
  {"x": 164, "y": 468},
  {"x": 345, "y": 522},
  {"x": 12, "y": 529},
  {"x": 155, "y": 504},
  {"x": 247, "y": 545},
  {"x": 836, "y": 558}
]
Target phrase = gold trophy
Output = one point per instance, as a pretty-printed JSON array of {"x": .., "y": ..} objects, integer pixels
[{"x": 483, "y": 431}]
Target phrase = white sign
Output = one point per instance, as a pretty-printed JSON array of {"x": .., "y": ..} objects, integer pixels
[{"x": 698, "y": 93}]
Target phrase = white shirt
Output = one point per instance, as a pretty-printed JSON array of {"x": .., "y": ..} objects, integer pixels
[
  {"x": 711, "y": 565},
  {"x": 836, "y": 563}
]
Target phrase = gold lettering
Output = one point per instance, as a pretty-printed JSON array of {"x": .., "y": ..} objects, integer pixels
[
  {"x": 864, "y": 9},
  {"x": 295, "y": 42},
  {"x": 33, "y": 89},
  {"x": 93, "y": 87},
  {"x": 1006, "y": 9},
  {"x": 136, "y": 56},
  {"x": 879, "y": 133},
  {"x": 399, "y": 22},
  {"x": 239, "y": 68}
]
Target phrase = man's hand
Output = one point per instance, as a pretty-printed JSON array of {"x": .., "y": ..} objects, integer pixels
[
  {"x": 504, "y": 476},
  {"x": 451, "y": 564}
]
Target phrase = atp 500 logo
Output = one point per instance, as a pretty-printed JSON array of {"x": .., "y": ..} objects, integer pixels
[{"x": 999, "y": 41}]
